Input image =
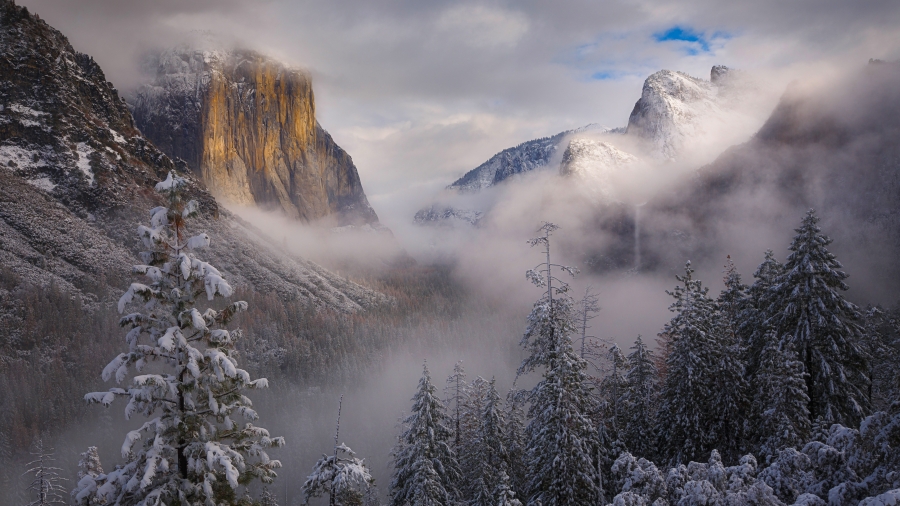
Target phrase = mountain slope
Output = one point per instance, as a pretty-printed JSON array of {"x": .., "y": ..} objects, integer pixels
[
  {"x": 525, "y": 157},
  {"x": 246, "y": 125},
  {"x": 77, "y": 178}
]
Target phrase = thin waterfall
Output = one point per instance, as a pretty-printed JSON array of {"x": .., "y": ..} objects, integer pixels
[{"x": 637, "y": 237}]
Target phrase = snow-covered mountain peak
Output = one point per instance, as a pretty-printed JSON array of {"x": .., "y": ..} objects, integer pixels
[
  {"x": 594, "y": 164},
  {"x": 671, "y": 111}
]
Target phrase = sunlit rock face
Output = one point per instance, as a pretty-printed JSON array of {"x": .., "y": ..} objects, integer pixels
[{"x": 246, "y": 124}]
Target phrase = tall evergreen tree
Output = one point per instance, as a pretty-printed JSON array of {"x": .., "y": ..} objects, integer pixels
[
  {"x": 612, "y": 387},
  {"x": 755, "y": 317},
  {"x": 191, "y": 450},
  {"x": 46, "y": 484},
  {"x": 807, "y": 309},
  {"x": 454, "y": 392},
  {"x": 515, "y": 442},
  {"x": 687, "y": 420},
  {"x": 780, "y": 405},
  {"x": 562, "y": 442},
  {"x": 639, "y": 401},
  {"x": 487, "y": 453},
  {"x": 425, "y": 467}
]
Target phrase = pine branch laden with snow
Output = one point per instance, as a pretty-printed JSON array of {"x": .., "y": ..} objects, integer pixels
[
  {"x": 426, "y": 470},
  {"x": 342, "y": 476},
  {"x": 199, "y": 444},
  {"x": 807, "y": 309}
]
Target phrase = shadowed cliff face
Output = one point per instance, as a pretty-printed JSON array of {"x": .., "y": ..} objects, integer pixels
[{"x": 246, "y": 125}]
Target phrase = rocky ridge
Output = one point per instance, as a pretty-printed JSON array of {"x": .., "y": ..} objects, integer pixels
[
  {"x": 77, "y": 178},
  {"x": 246, "y": 125}
]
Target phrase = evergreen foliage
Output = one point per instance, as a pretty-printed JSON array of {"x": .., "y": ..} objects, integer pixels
[
  {"x": 807, "y": 309},
  {"x": 425, "y": 467},
  {"x": 562, "y": 442},
  {"x": 46, "y": 484},
  {"x": 191, "y": 450},
  {"x": 780, "y": 405},
  {"x": 755, "y": 319},
  {"x": 639, "y": 401},
  {"x": 342, "y": 476}
]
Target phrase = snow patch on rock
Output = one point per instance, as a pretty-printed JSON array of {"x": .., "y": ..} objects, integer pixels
[
  {"x": 84, "y": 161},
  {"x": 594, "y": 164}
]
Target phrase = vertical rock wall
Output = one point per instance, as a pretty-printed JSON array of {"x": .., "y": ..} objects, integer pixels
[{"x": 246, "y": 125}]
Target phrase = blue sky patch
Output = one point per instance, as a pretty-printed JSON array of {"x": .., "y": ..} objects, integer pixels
[{"x": 692, "y": 41}]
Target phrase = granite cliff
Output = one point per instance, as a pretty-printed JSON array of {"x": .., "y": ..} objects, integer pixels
[{"x": 246, "y": 125}]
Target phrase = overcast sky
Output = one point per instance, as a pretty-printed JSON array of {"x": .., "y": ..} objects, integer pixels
[{"x": 419, "y": 92}]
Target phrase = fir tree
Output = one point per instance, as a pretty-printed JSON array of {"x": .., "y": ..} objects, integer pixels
[
  {"x": 89, "y": 465},
  {"x": 454, "y": 392},
  {"x": 755, "y": 317},
  {"x": 686, "y": 421},
  {"x": 46, "y": 485},
  {"x": 194, "y": 452},
  {"x": 612, "y": 387},
  {"x": 807, "y": 308},
  {"x": 780, "y": 407},
  {"x": 483, "y": 449},
  {"x": 425, "y": 466},
  {"x": 639, "y": 401},
  {"x": 341, "y": 475},
  {"x": 514, "y": 440},
  {"x": 588, "y": 308},
  {"x": 504, "y": 494},
  {"x": 562, "y": 442}
]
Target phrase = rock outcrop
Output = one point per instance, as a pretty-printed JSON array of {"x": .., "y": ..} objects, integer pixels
[{"x": 246, "y": 125}]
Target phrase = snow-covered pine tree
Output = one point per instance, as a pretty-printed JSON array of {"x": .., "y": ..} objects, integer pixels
[
  {"x": 755, "y": 317},
  {"x": 733, "y": 301},
  {"x": 469, "y": 454},
  {"x": 46, "y": 484},
  {"x": 562, "y": 442},
  {"x": 504, "y": 495},
  {"x": 807, "y": 308},
  {"x": 639, "y": 401},
  {"x": 454, "y": 392},
  {"x": 514, "y": 440},
  {"x": 731, "y": 395},
  {"x": 484, "y": 453},
  {"x": 268, "y": 498},
  {"x": 89, "y": 464},
  {"x": 686, "y": 419},
  {"x": 425, "y": 468},
  {"x": 342, "y": 476},
  {"x": 588, "y": 307},
  {"x": 780, "y": 411},
  {"x": 611, "y": 388},
  {"x": 193, "y": 452}
]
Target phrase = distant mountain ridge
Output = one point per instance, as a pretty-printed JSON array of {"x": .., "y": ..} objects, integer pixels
[
  {"x": 527, "y": 156},
  {"x": 667, "y": 120}
]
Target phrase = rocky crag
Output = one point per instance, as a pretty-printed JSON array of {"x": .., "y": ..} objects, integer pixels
[{"x": 246, "y": 126}]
